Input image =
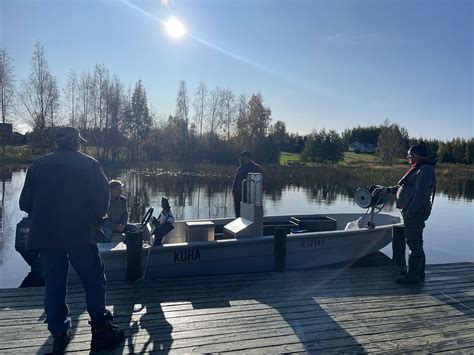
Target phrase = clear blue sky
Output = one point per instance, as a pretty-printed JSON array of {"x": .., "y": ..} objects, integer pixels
[{"x": 330, "y": 63}]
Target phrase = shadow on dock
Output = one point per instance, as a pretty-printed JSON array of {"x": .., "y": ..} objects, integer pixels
[{"x": 351, "y": 308}]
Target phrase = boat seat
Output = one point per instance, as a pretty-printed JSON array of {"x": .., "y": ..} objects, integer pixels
[
  {"x": 117, "y": 237},
  {"x": 198, "y": 231}
]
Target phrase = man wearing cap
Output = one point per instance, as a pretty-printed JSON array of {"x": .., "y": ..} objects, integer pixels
[
  {"x": 66, "y": 195},
  {"x": 247, "y": 165},
  {"x": 415, "y": 194}
]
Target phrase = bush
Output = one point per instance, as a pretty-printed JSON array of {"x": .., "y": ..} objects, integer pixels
[{"x": 323, "y": 147}]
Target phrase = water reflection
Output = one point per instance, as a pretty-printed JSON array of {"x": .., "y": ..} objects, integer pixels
[
  {"x": 195, "y": 196},
  {"x": 190, "y": 196}
]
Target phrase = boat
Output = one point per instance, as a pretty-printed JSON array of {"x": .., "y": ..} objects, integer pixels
[
  {"x": 247, "y": 244},
  {"x": 180, "y": 255}
]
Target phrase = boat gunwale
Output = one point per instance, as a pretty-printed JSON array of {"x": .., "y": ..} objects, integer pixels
[{"x": 257, "y": 240}]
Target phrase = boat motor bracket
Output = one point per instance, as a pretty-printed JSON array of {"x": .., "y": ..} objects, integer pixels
[{"x": 373, "y": 197}]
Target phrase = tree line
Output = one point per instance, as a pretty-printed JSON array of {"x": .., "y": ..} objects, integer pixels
[
  {"x": 209, "y": 124},
  {"x": 391, "y": 141}
]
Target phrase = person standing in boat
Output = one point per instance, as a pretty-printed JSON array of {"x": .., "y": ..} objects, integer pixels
[
  {"x": 247, "y": 165},
  {"x": 117, "y": 213},
  {"x": 66, "y": 195},
  {"x": 415, "y": 194}
]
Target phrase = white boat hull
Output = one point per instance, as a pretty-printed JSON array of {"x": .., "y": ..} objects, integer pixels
[{"x": 253, "y": 254}]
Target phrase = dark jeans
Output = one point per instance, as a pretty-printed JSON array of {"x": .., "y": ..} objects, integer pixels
[
  {"x": 414, "y": 226},
  {"x": 88, "y": 264},
  {"x": 237, "y": 206}
]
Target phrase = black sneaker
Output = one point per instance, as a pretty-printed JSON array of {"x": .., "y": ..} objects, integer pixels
[
  {"x": 60, "y": 342},
  {"x": 106, "y": 336}
]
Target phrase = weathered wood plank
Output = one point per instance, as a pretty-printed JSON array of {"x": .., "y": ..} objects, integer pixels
[
  {"x": 338, "y": 286},
  {"x": 237, "y": 307},
  {"x": 327, "y": 332},
  {"x": 374, "y": 298},
  {"x": 315, "y": 275},
  {"x": 336, "y": 310},
  {"x": 199, "y": 329}
]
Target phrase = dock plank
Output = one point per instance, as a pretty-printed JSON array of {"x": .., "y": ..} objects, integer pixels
[{"x": 327, "y": 310}]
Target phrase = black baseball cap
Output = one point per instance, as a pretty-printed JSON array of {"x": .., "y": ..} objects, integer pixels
[{"x": 245, "y": 153}]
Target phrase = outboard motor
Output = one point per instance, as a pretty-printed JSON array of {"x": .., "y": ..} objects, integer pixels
[
  {"x": 22, "y": 238},
  {"x": 374, "y": 197},
  {"x": 22, "y": 235}
]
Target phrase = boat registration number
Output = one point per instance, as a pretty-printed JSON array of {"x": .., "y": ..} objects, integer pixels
[{"x": 311, "y": 243}]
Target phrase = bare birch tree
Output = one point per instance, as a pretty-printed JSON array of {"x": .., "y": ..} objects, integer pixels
[
  {"x": 70, "y": 93},
  {"x": 39, "y": 93},
  {"x": 214, "y": 112},
  {"x": 7, "y": 83},
  {"x": 199, "y": 105},
  {"x": 228, "y": 111},
  {"x": 99, "y": 94},
  {"x": 85, "y": 102},
  {"x": 242, "y": 122},
  {"x": 7, "y": 90},
  {"x": 113, "y": 107},
  {"x": 53, "y": 101}
]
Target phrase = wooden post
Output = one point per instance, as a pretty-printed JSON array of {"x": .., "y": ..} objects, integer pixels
[
  {"x": 398, "y": 246},
  {"x": 279, "y": 249},
  {"x": 133, "y": 241}
]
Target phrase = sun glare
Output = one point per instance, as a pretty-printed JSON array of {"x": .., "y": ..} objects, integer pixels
[{"x": 175, "y": 27}]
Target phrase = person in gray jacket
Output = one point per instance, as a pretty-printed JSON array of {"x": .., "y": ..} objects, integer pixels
[
  {"x": 415, "y": 194},
  {"x": 66, "y": 196},
  {"x": 117, "y": 214}
]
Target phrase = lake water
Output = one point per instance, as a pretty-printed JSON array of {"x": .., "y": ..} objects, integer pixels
[{"x": 448, "y": 237}]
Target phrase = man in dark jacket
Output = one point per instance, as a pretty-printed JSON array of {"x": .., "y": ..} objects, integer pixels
[
  {"x": 415, "y": 193},
  {"x": 66, "y": 195},
  {"x": 247, "y": 165}
]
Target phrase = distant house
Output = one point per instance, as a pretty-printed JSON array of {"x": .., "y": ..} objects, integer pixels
[
  {"x": 359, "y": 147},
  {"x": 8, "y": 136}
]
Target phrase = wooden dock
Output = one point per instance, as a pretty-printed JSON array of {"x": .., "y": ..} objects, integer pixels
[{"x": 344, "y": 310}]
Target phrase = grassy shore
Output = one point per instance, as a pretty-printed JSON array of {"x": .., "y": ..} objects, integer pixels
[
  {"x": 18, "y": 155},
  {"x": 350, "y": 158},
  {"x": 368, "y": 162},
  {"x": 359, "y": 165}
]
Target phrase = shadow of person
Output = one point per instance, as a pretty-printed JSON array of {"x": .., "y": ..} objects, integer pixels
[
  {"x": 33, "y": 279},
  {"x": 140, "y": 314},
  {"x": 330, "y": 310},
  {"x": 47, "y": 347}
]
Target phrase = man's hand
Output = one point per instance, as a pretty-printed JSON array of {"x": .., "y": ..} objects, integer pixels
[{"x": 120, "y": 227}]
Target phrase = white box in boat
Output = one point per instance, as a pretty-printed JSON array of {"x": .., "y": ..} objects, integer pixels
[{"x": 199, "y": 231}]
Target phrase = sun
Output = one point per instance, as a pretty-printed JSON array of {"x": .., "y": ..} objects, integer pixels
[{"x": 175, "y": 27}]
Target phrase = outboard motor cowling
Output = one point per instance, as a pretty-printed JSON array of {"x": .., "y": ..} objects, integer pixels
[
  {"x": 22, "y": 235},
  {"x": 371, "y": 196},
  {"x": 374, "y": 198},
  {"x": 22, "y": 246}
]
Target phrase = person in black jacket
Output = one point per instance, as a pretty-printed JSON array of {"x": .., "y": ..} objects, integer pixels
[
  {"x": 66, "y": 195},
  {"x": 247, "y": 165},
  {"x": 415, "y": 193}
]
